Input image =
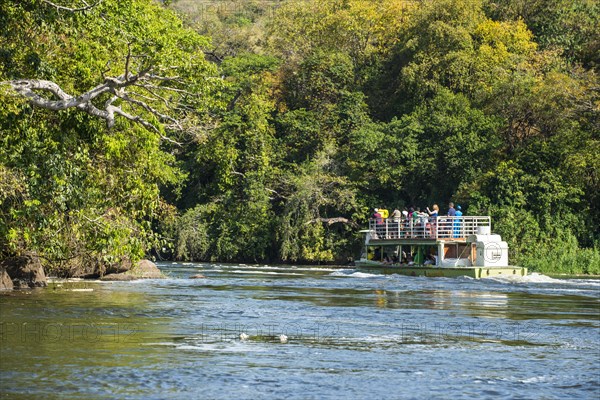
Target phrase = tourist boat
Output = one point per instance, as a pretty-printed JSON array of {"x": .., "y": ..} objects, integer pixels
[{"x": 442, "y": 247}]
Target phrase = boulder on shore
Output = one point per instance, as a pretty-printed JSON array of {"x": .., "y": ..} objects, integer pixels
[
  {"x": 24, "y": 272},
  {"x": 5, "y": 281},
  {"x": 145, "y": 269},
  {"x": 119, "y": 267}
]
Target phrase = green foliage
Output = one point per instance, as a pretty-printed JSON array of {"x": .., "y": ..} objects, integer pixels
[
  {"x": 571, "y": 26},
  {"x": 87, "y": 196},
  {"x": 235, "y": 27},
  {"x": 311, "y": 114},
  {"x": 563, "y": 255},
  {"x": 193, "y": 242},
  {"x": 450, "y": 99},
  {"x": 316, "y": 193},
  {"x": 360, "y": 29},
  {"x": 231, "y": 172}
]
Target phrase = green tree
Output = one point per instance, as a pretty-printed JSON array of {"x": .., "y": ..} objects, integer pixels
[
  {"x": 311, "y": 227},
  {"x": 230, "y": 186},
  {"x": 93, "y": 100},
  {"x": 570, "y": 26}
]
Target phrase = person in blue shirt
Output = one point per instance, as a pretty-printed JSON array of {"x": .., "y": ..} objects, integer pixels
[
  {"x": 451, "y": 210},
  {"x": 458, "y": 221},
  {"x": 446, "y": 225}
]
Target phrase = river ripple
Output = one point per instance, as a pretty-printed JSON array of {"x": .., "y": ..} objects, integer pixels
[{"x": 249, "y": 331}]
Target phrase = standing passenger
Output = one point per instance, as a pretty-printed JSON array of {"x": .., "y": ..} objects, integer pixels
[
  {"x": 405, "y": 224},
  {"x": 451, "y": 210},
  {"x": 395, "y": 225},
  {"x": 449, "y": 222},
  {"x": 412, "y": 221},
  {"x": 435, "y": 212},
  {"x": 377, "y": 216},
  {"x": 433, "y": 215},
  {"x": 458, "y": 222},
  {"x": 378, "y": 223}
]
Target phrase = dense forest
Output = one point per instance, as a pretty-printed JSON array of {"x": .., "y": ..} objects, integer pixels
[{"x": 267, "y": 131}]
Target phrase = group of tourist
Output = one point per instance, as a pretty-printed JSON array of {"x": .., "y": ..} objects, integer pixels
[{"x": 412, "y": 221}]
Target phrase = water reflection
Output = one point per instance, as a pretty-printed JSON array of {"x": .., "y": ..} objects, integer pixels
[{"x": 167, "y": 338}]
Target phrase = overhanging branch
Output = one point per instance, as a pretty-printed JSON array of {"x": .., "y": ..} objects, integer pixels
[
  {"x": 85, "y": 7},
  {"x": 331, "y": 221},
  {"x": 57, "y": 99}
]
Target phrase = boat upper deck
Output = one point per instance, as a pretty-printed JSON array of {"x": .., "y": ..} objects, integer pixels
[{"x": 426, "y": 230}]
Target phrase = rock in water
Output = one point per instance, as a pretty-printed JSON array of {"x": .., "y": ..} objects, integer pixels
[
  {"x": 145, "y": 269},
  {"x": 25, "y": 272},
  {"x": 198, "y": 276},
  {"x": 124, "y": 276}
]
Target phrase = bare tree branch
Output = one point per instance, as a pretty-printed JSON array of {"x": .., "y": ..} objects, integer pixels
[
  {"x": 144, "y": 123},
  {"x": 151, "y": 110},
  {"x": 30, "y": 88},
  {"x": 331, "y": 221},
  {"x": 165, "y": 88},
  {"x": 156, "y": 97},
  {"x": 218, "y": 59},
  {"x": 73, "y": 9},
  {"x": 279, "y": 195},
  {"x": 27, "y": 87},
  {"x": 234, "y": 100}
]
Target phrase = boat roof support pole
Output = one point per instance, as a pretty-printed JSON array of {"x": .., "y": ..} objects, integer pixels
[{"x": 440, "y": 254}]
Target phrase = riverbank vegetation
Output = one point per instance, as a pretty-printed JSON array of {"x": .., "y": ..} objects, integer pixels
[{"x": 267, "y": 131}]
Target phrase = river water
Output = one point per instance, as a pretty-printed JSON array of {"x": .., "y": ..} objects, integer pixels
[{"x": 347, "y": 334}]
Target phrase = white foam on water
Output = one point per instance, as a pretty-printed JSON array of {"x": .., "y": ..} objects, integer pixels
[
  {"x": 223, "y": 347},
  {"x": 284, "y": 268},
  {"x": 52, "y": 279},
  {"x": 354, "y": 274},
  {"x": 342, "y": 272},
  {"x": 318, "y": 269},
  {"x": 366, "y": 275},
  {"x": 258, "y": 267},
  {"x": 537, "y": 379},
  {"x": 537, "y": 278},
  {"x": 238, "y": 271},
  {"x": 381, "y": 339}
]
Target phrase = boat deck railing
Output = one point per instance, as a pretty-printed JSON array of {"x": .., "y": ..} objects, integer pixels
[{"x": 429, "y": 228}]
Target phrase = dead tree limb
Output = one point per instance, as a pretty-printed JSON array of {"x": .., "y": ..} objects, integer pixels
[
  {"x": 85, "y": 7},
  {"x": 331, "y": 221},
  {"x": 49, "y": 95}
]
